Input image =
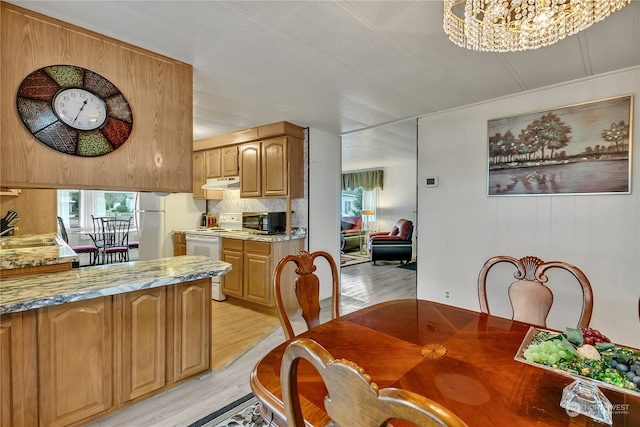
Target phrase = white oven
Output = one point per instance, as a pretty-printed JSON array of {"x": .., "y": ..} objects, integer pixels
[{"x": 206, "y": 243}]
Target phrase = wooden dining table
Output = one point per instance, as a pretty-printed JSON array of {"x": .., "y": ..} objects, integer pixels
[{"x": 461, "y": 359}]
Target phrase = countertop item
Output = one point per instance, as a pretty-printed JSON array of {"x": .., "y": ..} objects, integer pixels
[
  {"x": 461, "y": 359},
  {"x": 32, "y": 256},
  {"x": 28, "y": 292}
]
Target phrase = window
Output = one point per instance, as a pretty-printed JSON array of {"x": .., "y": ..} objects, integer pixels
[{"x": 75, "y": 207}]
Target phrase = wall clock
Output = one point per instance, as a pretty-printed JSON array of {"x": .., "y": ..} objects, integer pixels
[{"x": 74, "y": 110}]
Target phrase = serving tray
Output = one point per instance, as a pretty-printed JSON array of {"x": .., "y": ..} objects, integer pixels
[{"x": 533, "y": 332}]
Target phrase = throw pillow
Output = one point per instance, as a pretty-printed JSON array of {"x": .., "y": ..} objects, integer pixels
[{"x": 344, "y": 225}]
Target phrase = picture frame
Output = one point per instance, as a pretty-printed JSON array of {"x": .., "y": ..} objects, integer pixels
[{"x": 576, "y": 149}]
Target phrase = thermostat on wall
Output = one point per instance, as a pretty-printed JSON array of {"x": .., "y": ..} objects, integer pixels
[{"x": 431, "y": 181}]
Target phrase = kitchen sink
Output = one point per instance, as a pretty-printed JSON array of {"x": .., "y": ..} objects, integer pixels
[{"x": 27, "y": 243}]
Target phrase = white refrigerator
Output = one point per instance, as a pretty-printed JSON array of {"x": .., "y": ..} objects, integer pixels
[{"x": 156, "y": 217}]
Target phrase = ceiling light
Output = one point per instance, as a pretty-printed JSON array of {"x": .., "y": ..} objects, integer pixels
[{"x": 515, "y": 25}]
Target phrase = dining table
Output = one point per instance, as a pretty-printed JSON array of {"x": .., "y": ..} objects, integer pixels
[{"x": 462, "y": 359}]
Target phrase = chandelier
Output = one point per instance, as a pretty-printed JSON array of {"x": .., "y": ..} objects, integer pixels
[{"x": 515, "y": 25}]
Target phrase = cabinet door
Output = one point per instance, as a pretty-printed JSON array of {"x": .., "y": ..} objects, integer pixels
[
  {"x": 275, "y": 167},
  {"x": 250, "y": 175},
  {"x": 230, "y": 161},
  {"x": 232, "y": 281},
  {"x": 18, "y": 365},
  {"x": 179, "y": 244},
  {"x": 192, "y": 328},
  {"x": 213, "y": 161},
  {"x": 75, "y": 360},
  {"x": 144, "y": 342},
  {"x": 257, "y": 278},
  {"x": 199, "y": 174}
]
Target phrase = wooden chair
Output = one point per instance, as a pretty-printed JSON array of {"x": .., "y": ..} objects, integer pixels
[
  {"x": 530, "y": 299},
  {"x": 92, "y": 250},
  {"x": 353, "y": 400},
  {"x": 307, "y": 290}
]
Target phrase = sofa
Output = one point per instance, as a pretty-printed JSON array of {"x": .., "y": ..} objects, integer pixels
[
  {"x": 350, "y": 233},
  {"x": 394, "y": 245}
]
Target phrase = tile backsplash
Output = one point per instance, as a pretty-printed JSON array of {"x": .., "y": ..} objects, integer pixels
[{"x": 233, "y": 203}]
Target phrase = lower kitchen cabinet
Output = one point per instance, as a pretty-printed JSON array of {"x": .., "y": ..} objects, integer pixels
[
  {"x": 72, "y": 363},
  {"x": 257, "y": 272},
  {"x": 179, "y": 244},
  {"x": 18, "y": 370},
  {"x": 191, "y": 343},
  {"x": 253, "y": 263},
  {"x": 144, "y": 326},
  {"x": 75, "y": 361}
]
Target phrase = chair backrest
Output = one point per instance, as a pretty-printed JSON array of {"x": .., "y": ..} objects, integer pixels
[
  {"x": 530, "y": 299},
  {"x": 403, "y": 229},
  {"x": 62, "y": 230},
  {"x": 306, "y": 288},
  {"x": 118, "y": 231},
  {"x": 353, "y": 400}
]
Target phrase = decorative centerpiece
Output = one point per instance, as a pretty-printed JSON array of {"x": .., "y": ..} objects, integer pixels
[
  {"x": 591, "y": 359},
  {"x": 584, "y": 353}
]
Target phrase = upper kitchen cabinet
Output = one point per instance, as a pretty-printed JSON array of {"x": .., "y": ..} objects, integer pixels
[
  {"x": 156, "y": 156},
  {"x": 272, "y": 168},
  {"x": 221, "y": 162},
  {"x": 269, "y": 159}
]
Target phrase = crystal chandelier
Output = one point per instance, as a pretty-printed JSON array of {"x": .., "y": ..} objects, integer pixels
[{"x": 514, "y": 25}]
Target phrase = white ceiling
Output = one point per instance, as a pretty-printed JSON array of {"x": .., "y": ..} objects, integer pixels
[{"x": 340, "y": 66}]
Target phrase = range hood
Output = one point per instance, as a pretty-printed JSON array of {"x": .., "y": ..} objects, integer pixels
[{"x": 218, "y": 183}]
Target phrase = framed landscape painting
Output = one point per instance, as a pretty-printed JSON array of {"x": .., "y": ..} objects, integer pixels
[{"x": 577, "y": 149}]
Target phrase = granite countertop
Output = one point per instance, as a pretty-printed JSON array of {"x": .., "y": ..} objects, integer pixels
[
  {"x": 35, "y": 256},
  {"x": 35, "y": 291},
  {"x": 244, "y": 235}
]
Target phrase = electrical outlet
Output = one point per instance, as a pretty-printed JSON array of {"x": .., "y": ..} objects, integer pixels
[{"x": 447, "y": 294}]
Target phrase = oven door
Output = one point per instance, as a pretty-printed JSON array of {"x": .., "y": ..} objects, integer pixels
[{"x": 207, "y": 245}]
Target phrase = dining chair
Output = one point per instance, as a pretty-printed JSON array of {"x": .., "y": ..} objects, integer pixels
[
  {"x": 306, "y": 289},
  {"x": 353, "y": 400},
  {"x": 117, "y": 240},
  {"x": 530, "y": 298},
  {"x": 92, "y": 250}
]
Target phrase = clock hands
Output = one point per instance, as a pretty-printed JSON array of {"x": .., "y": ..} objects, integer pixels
[{"x": 80, "y": 110}]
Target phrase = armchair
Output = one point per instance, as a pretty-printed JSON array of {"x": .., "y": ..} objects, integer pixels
[
  {"x": 350, "y": 233},
  {"x": 395, "y": 245}
]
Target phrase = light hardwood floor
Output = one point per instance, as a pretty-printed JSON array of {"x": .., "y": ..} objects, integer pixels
[{"x": 362, "y": 285}]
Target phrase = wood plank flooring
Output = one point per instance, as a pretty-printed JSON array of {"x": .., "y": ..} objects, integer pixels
[
  {"x": 362, "y": 285},
  {"x": 239, "y": 329}
]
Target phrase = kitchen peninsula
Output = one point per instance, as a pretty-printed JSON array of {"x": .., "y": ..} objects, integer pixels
[{"x": 81, "y": 343}]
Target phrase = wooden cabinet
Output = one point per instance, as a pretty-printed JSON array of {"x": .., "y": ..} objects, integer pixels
[
  {"x": 144, "y": 324},
  {"x": 179, "y": 244},
  {"x": 75, "y": 361},
  {"x": 257, "y": 272},
  {"x": 71, "y": 363},
  {"x": 213, "y": 163},
  {"x": 232, "y": 252},
  {"x": 250, "y": 156},
  {"x": 199, "y": 174},
  {"x": 272, "y": 168},
  {"x": 191, "y": 337},
  {"x": 230, "y": 165},
  {"x": 157, "y": 155},
  {"x": 253, "y": 264},
  {"x": 38, "y": 210},
  {"x": 18, "y": 370}
]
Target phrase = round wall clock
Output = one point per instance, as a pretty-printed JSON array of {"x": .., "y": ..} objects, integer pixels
[{"x": 74, "y": 110}]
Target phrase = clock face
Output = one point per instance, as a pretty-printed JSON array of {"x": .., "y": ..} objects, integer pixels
[
  {"x": 74, "y": 110},
  {"x": 80, "y": 109}
]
